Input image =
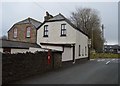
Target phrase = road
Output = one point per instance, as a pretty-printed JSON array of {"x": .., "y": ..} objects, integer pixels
[
  {"x": 100, "y": 71},
  {"x": 0, "y": 69}
]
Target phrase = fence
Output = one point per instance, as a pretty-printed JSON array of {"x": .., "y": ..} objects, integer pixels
[{"x": 18, "y": 66}]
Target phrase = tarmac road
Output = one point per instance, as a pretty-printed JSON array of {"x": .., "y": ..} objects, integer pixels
[{"x": 99, "y": 71}]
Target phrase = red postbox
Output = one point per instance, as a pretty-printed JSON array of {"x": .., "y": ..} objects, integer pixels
[{"x": 49, "y": 57}]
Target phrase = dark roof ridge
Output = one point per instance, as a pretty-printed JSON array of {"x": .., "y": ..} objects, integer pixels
[
  {"x": 28, "y": 19},
  {"x": 34, "y": 19}
]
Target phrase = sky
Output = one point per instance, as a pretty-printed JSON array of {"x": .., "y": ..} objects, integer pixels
[{"x": 13, "y": 12}]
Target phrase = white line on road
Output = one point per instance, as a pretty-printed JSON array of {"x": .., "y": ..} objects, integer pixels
[
  {"x": 92, "y": 59},
  {"x": 107, "y": 62}
]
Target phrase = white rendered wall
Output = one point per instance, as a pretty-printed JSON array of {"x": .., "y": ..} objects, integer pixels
[
  {"x": 19, "y": 50},
  {"x": 54, "y": 33},
  {"x": 67, "y": 54},
  {"x": 1, "y": 50},
  {"x": 81, "y": 40}
]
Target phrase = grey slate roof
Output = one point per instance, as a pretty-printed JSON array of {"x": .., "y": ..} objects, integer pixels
[
  {"x": 57, "y": 17},
  {"x": 30, "y": 20},
  {"x": 112, "y": 46},
  {"x": 17, "y": 44}
]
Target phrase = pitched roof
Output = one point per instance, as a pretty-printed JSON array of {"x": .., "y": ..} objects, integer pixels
[
  {"x": 60, "y": 17},
  {"x": 30, "y": 20},
  {"x": 17, "y": 44},
  {"x": 57, "y": 17}
]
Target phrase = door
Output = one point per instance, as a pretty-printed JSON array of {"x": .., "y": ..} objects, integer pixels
[{"x": 73, "y": 53}]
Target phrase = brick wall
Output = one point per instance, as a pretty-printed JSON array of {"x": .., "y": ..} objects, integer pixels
[
  {"x": 21, "y": 33},
  {"x": 18, "y": 66}
]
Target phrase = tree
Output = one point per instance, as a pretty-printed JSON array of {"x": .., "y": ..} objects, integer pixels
[
  {"x": 4, "y": 37},
  {"x": 88, "y": 21}
]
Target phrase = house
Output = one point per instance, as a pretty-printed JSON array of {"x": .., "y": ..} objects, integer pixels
[
  {"x": 112, "y": 48},
  {"x": 24, "y": 31},
  {"x": 58, "y": 33},
  {"x": 9, "y": 46}
]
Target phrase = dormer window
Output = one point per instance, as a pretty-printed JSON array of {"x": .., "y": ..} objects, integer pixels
[
  {"x": 63, "y": 29},
  {"x": 45, "y": 31},
  {"x": 28, "y": 32},
  {"x": 15, "y": 32}
]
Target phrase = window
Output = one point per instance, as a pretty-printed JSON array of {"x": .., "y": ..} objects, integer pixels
[
  {"x": 82, "y": 52},
  {"x": 85, "y": 50},
  {"x": 28, "y": 32},
  {"x": 63, "y": 29},
  {"x": 15, "y": 32},
  {"x": 46, "y": 31},
  {"x": 79, "y": 50}
]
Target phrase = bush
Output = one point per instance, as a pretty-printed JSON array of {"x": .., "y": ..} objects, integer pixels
[{"x": 104, "y": 55}]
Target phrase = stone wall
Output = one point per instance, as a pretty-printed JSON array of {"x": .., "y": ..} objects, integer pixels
[
  {"x": 21, "y": 33},
  {"x": 18, "y": 66}
]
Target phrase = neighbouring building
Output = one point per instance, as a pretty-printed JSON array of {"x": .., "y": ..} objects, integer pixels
[
  {"x": 112, "y": 48},
  {"x": 24, "y": 31},
  {"x": 9, "y": 46},
  {"x": 58, "y": 33}
]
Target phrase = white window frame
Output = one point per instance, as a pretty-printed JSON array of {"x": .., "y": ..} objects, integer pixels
[
  {"x": 63, "y": 30},
  {"x": 45, "y": 31},
  {"x": 15, "y": 33},
  {"x": 28, "y": 31}
]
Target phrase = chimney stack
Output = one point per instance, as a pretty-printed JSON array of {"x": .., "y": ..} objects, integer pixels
[{"x": 48, "y": 16}]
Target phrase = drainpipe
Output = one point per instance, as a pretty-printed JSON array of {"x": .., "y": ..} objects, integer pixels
[{"x": 89, "y": 47}]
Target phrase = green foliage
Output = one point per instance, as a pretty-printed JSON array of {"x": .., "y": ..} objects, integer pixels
[{"x": 104, "y": 55}]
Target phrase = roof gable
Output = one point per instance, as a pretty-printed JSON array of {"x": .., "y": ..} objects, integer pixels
[
  {"x": 34, "y": 22},
  {"x": 60, "y": 17},
  {"x": 30, "y": 20}
]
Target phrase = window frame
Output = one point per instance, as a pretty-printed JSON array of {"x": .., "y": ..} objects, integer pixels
[
  {"x": 79, "y": 50},
  {"x": 82, "y": 52},
  {"x": 15, "y": 32},
  {"x": 85, "y": 51},
  {"x": 45, "y": 34},
  {"x": 28, "y": 31},
  {"x": 63, "y": 30}
]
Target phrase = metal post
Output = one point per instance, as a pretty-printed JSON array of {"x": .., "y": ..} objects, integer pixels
[
  {"x": 103, "y": 35},
  {"x": 89, "y": 47}
]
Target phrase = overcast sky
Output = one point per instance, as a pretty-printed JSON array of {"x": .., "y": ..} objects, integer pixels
[{"x": 13, "y": 12}]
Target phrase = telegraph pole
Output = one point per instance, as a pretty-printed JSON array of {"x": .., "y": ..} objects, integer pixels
[{"x": 103, "y": 35}]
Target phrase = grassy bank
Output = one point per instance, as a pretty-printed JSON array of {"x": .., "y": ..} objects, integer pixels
[{"x": 104, "y": 55}]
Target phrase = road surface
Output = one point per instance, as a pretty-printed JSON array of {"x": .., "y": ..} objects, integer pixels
[{"x": 100, "y": 71}]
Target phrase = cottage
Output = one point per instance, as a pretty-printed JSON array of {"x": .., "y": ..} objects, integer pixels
[
  {"x": 58, "y": 33},
  {"x": 24, "y": 31}
]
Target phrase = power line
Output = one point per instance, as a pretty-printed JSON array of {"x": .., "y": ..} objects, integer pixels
[{"x": 39, "y": 6}]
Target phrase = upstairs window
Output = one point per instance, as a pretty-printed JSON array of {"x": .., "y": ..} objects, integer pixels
[
  {"x": 45, "y": 31},
  {"x": 63, "y": 29},
  {"x": 82, "y": 52},
  {"x": 28, "y": 32},
  {"x": 15, "y": 32}
]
